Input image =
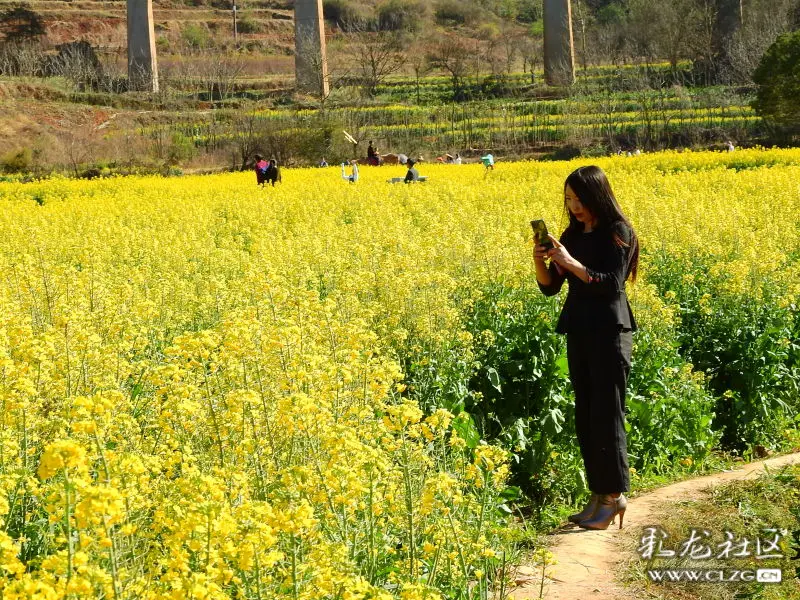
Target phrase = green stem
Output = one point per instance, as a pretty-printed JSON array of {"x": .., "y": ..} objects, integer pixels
[
  {"x": 294, "y": 567},
  {"x": 409, "y": 512},
  {"x": 109, "y": 530},
  {"x": 258, "y": 573},
  {"x": 483, "y": 505},
  {"x": 69, "y": 526},
  {"x": 371, "y": 533},
  {"x": 544, "y": 569},
  {"x": 208, "y": 539},
  {"x": 214, "y": 420},
  {"x": 503, "y": 576},
  {"x": 458, "y": 546}
]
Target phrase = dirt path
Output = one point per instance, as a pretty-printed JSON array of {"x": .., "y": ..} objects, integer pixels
[{"x": 587, "y": 560}]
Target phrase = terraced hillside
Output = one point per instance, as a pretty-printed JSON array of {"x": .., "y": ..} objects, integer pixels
[{"x": 265, "y": 27}]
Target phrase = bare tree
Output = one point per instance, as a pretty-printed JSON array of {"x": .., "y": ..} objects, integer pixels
[
  {"x": 218, "y": 74},
  {"x": 379, "y": 55},
  {"x": 25, "y": 58},
  {"x": 762, "y": 23},
  {"x": 679, "y": 20},
  {"x": 705, "y": 38},
  {"x": 643, "y": 28},
  {"x": 582, "y": 16},
  {"x": 531, "y": 50},
  {"x": 451, "y": 56},
  {"x": 608, "y": 35},
  {"x": 179, "y": 74},
  {"x": 419, "y": 66},
  {"x": 510, "y": 40},
  {"x": 247, "y": 138},
  {"x": 77, "y": 145},
  {"x": 490, "y": 38},
  {"x": 78, "y": 62}
]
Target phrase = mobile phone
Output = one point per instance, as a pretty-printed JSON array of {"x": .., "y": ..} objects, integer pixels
[{"x": 540, "y": 234}]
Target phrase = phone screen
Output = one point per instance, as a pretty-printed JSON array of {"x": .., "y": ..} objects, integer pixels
[{"x": 540, "y": 233}]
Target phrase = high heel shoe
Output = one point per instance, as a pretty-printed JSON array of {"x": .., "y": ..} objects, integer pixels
[
  {"x": 587, "y": 512},
  {"x": 608, "y": 507}
]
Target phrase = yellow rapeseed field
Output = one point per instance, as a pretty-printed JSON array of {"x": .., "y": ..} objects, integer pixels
[{"x": 202, "y": 385}]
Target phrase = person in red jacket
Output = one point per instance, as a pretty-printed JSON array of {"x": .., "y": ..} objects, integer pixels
[{"x": 261, "y": 169}]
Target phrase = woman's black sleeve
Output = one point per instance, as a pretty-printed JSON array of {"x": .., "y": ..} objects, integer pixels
[
  {"x": 610, "y": 277},
  {"x": 556, "y": 278}
]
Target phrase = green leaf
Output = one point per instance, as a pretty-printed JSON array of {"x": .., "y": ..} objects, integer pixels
[
  {"x": 511, "y": 493},
  {"x": 464, "y": 426},
  {"x": 562, "y": 366},
  {"x": 494, "y": 379}
]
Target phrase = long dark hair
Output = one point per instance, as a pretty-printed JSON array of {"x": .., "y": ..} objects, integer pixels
[{"x": 591, "y": 187}]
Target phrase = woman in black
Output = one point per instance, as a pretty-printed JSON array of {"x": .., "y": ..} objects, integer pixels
[{"x": 596, "y": 253}]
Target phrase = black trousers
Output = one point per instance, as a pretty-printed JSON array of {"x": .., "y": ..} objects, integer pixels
[{"x": 599, "y": 364}]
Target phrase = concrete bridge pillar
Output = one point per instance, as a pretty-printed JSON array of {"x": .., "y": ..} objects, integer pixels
[
  {"x": 559, "y": 55},
  {"x": 310, "y": 59},
  {"x": 142, "y": 64}
]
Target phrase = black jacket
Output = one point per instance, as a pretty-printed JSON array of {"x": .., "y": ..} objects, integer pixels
[
  {"x": 601, "y": 303},
  {"x": 272, "y": 173}
]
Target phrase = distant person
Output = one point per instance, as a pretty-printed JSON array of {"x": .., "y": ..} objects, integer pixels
[
  {"x": 323, "y": 162},
  {"x": 730, "y": 146},
  {"x": 353, "y": 177},
  {"x": 412, "y": 174},
  {"x": 637, "y": 152},
  {"x": 488, "y": 162},
  {"x": 373, "y": 158},
  {"x": 457, "y": 159},
  {"x": 402, "y": 158},
  {"x": 261, "y": 169},
  {"x": 272, "y": 172}
]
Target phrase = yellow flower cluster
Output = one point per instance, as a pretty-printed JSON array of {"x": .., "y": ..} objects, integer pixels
[{"x": 201, "y": 387}]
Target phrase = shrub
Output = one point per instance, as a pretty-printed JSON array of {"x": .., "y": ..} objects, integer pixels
[
  {"x": 496, "y": 86},
  {"x": 453, "y": 12},
  {"x": 344, "y": 15},
  {"x": 518, "y": 389},
  {"x": 248, "y": 25},
  {"x": 400, "y": 15},
  {"x": 778, "y": 97},
  {"x": 529, "y": 11},
  {"x": 181, "y": 148},
  {"x": 744, "y": 347},
  {"x": 162, "y": 44},
  {"x": 195, "y": 36},
  {"x": 17, "y": 161}
]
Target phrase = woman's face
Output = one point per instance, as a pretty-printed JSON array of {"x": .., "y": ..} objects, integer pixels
[{"x": 580, "y": 212}]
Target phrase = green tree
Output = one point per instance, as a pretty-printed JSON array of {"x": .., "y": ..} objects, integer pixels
[
  {"x": 19, "y": 23},
  {"x": 778, "y": 80}
]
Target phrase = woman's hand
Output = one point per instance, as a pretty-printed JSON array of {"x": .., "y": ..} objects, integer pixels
[
  {"x": 539, "y": 253},
  {"x": 559, "y": 254}
]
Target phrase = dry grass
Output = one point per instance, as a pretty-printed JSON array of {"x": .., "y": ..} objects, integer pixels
[{"x": 742, "y": 507}]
